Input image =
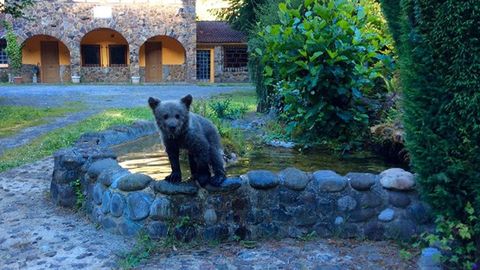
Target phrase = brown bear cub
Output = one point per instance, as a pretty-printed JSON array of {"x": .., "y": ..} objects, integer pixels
[{"x": 182, "y": 129}]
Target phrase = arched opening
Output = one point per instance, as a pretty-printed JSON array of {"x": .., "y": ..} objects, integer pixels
[
  {"x": 104, "y": 47},
  {"x": 162, "y": 59},
  {"x": 46, "y": 57}
]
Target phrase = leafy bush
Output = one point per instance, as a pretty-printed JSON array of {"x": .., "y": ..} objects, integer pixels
[
  {"x": 439, "y": 51},
  {"x": 320, "y": 65}
]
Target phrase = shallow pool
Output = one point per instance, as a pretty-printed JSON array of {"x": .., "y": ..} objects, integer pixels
[{"x": 147, "y": 156}]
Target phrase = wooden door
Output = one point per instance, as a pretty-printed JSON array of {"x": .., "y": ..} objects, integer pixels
[
  {"x": 50, "y": 66},
  {"x": 153, "y": 62}
]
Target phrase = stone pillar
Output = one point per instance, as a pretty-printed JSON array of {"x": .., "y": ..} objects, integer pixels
[
  {"x": 134, "y": 63},
  {"x": 75, "y": 63}
]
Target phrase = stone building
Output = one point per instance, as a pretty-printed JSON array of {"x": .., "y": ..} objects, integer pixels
[{"x": 122, "y": 41}]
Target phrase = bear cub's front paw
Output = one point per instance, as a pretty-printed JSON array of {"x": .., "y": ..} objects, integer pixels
[
  {"x": 217, "y": 180},
  {"x": 175, "y": 177}
]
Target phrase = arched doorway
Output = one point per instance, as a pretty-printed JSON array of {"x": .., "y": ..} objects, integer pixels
[
  {"x": 47, "y": 55},
  {"x": 162, "y": 59},
  {"x": 104, "y": 47}
]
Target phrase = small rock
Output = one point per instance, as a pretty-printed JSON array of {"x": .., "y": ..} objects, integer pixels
[
  {"x": 210, "y": 217},
  {"x": 168, "y": 188},
  {"x": 346, "y": 203},
  {"x": 397, "y": 179},
  {"x": 329, "y": 181},
  {"x": 157, "y": 230},
  {"x": 134, "y": 182},
  {"x": 109, "y": 176},
  {"x": 138, "y": 205},
  {"x": 398, "y": 199},
  {"x": 117, "y": 203},
  {"x": 51, "y": 253},
  {"x": 99, "y": 166},
  {"x": 370, "y": 200},
  {"x": 339, "y": 220},
  {"x": 430, "y": 259},
  {"x": 361, "y": 181},
  {"x": 161, "y": 209},
  {"x": 262, "y": 179},
  {"x": 420, "y": 212},
  {"x": 294, "y": 178},
  {"x": 230, "y": 184},
  {"x": 107, "y": 195},
  {"x": 386, "y": 215},
  {"x": 98, "y": 190}
]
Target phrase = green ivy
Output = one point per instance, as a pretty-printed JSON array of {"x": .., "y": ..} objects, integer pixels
[
  {"x": 320, "y": 63},
  {"x": 13, "y": 49}
]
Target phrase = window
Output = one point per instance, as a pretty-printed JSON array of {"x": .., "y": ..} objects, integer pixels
[
  {"x": 118, "y": 55},
  {"x": 91, "y": 55},
  {"x": 3, "y": 53},
  {"x": 203, "y": 65},
  {"x": 236, "y": 58}
]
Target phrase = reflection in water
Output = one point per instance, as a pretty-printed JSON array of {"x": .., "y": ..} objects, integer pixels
[{"x": 147, "y": 155}]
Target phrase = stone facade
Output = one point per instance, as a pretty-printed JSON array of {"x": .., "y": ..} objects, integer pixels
[
  {"x": 105, "y": 74},
  {"x": 259, "y": 204},
  {"x": 137, "y": 21},
  {"x": 228, "y": 75}
]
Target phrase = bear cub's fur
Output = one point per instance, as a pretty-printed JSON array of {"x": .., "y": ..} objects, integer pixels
[{"x": 182, "y": 129}]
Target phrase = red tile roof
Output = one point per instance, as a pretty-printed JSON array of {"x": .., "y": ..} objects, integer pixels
[{"x": 218, "y": 32}]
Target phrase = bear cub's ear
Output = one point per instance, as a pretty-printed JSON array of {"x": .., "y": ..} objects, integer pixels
[
  {"x": 187, "y": 100},
  {"x": 153, "y": 102}
]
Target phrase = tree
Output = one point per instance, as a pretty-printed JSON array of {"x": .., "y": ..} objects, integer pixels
[
  {"x": 439, "y": 52},
  {"x": 15, "y": 8},
  {"x": 241, "y": 14}
]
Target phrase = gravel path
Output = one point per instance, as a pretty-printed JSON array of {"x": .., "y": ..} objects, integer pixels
[
  {"x": 95, "y": 97},
  {"x": 34, "y": 234}
]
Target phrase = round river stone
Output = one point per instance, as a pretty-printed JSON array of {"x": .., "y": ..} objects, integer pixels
[
  {"x": 134, "y": 182},
  {"x": 361, "y": 181},
  {"x": 329, "y": 181},
  {"x": 386, "y": 215},
  {"x": 168, "y": 188},
  {"x": 262, "y": 179},
  {"x": 294, "y": 178},
  {"x": 138, "y": 205},
  {"x": 117, "y": 203},
  {"x": 397, "y": 179},
  {"x": 161, "y": 209}
]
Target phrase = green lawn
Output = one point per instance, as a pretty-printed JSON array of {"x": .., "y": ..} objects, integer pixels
[
  {"x": 51, "y": 142},
  {"x": 15, "y": 118}
]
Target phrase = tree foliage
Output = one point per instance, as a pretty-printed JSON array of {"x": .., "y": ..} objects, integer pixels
[
  {"x": 15, "y": 7},
  {"x": 439, "y": 47},
  {"x": 242, "y": 15},
  {"x": 319, "y": 63}
]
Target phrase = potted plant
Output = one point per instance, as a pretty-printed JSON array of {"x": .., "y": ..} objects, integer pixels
[{"x": 14, "y": 53}]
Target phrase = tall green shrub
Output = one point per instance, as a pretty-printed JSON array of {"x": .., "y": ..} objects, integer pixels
[
  {"x": 318, "y": 65},
  {"x": 439, "y": 47}
]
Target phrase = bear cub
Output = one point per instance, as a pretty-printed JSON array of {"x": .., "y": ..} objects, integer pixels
[{"x": 182, "y": 129}]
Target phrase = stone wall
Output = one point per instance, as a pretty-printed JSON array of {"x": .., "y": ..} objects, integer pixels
[
  {"x": 259, "y": 204},
  {"x": 228, "y": 75},
  {"x": 70, "y": 20},
  {"x": 105, "y": 74}
]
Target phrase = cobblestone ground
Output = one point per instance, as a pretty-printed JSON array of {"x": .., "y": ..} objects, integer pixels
[{"x": 34, "y": 234}]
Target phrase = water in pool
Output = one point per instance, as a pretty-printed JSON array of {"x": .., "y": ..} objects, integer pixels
[{"x": 147, "y": 155}]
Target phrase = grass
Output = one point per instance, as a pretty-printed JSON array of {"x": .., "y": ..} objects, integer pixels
[
  {"x": 15, "y": 118},
  {"x": 49, "y": 143}
]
